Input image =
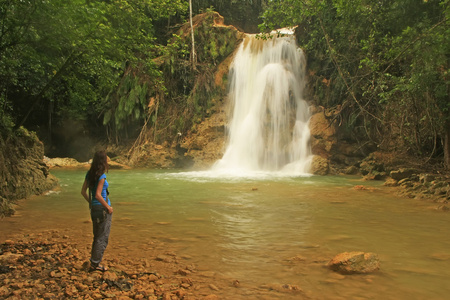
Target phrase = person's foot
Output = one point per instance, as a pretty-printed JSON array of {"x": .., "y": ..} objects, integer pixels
[{"x": 98, "y": 268}]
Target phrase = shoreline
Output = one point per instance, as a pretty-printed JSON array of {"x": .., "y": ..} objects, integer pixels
[{"x": 54, "y": 265}]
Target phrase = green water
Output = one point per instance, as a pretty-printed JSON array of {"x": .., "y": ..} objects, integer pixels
[{"x": 269, "y": 230}]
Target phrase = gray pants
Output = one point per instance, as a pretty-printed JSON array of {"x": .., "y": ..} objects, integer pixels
[{"x": 101, "y": 229}]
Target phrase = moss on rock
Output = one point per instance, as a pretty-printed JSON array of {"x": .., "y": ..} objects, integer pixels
[{"x": 22, "y": 170}]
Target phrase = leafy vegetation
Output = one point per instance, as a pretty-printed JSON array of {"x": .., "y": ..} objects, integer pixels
[
  {"x": 61, "y": 59},
  {"x": 71, "y": 68},
  {"x": 121, "y": 65},
  {"x": 382, "y": 65}
]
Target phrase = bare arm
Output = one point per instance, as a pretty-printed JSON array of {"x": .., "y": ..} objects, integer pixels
[
  {"x": 84, "y": 189},
  {"x": 98, "y": 196}
]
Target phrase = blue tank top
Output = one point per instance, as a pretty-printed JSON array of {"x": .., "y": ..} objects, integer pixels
[{"x": 104, "y": 191}]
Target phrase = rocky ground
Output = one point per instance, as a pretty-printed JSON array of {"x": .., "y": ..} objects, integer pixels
[{"x": 51, "y": 266}]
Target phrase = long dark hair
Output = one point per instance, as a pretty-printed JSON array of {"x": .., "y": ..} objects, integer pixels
[{"x": 98, "y": 167}]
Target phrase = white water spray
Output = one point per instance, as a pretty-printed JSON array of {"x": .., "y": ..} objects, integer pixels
[{"x": 268, "y": 130}]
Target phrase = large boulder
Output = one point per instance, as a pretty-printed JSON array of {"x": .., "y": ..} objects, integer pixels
[
  {"x": 319, "y": 165},
  {"x": 355, "y": 263},
  {"x": 323, "y": 132},
  {"x": 22, "y": 170}
]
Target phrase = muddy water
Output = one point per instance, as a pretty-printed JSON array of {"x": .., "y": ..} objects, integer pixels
[{"x": 265, "y": 231}]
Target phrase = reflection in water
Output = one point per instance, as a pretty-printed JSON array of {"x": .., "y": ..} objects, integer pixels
[{"x": 266, "y": 230}]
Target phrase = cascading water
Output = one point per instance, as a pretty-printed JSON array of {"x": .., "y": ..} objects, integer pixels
[{"x": 268, "y": 130}]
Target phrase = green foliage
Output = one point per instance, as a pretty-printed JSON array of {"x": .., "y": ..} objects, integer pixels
[
  {"x": 129, "y": 103},
  {"x": 383, "y": 64},
  {"x": 61, "y": 59}
]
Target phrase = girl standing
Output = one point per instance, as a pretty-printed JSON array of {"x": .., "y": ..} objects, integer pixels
[{"x": 100, "y": 206}]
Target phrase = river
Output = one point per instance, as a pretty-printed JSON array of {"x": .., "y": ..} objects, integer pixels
[{"x": 264, "y": 230}]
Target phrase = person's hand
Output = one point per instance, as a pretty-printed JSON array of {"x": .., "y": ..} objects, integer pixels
[{"x": 110, "y": 210}]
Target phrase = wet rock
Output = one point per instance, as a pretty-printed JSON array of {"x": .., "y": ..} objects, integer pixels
[
  {"x": 354, "y": 262},
  {"x": 402, "y": 174},
  {"x": 320, "y": 165}
]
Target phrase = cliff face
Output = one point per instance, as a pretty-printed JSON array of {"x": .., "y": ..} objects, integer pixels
[{"x": 22, "y": 170}]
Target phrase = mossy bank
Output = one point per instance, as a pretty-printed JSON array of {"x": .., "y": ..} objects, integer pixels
[{"x": 22, "y": 170}]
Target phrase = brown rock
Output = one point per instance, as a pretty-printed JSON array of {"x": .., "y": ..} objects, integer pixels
[
  {"x": 319, "y": 165},
  {"x": 110, "y": 276},
  {"x": 10, "y": 258},
  {"x": 4, "y": 292},
  {"x": 355, "y": 262},
  {"x": 71, "y": 291},
  {"x": 152, "y": 278},
  {"x": 184, "y": 272},
  {"x": 27, "y": 252}
]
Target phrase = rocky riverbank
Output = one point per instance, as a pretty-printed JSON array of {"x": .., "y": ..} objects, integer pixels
[{"x": 53, "y": 265}]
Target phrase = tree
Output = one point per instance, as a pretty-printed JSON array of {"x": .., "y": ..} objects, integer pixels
[
  {"x": 388, "y": 75},
  {"x": 60, "y": 59},
  {"x": 193, "y": 54}
]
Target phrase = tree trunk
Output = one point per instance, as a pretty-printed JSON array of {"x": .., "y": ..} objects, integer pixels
[{"x": 193, "y": 54}]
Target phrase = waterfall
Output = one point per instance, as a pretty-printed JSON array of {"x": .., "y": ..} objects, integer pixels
[{"x": 268, "y": 127}]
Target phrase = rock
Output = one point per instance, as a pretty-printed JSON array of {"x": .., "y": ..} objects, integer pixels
[
  {"x": 23, "y": 170},
  {"x": 71, "y": 291},
  {"x": 164, "y": 258},
  {"x": 10, "y": 258},
  {"x": 4, "y": 292},
  {"x": 426, "y": 178},
  {"x": 152, "y": 278},
  {"x": 322, "y": 132},
  {"x": 352, "y": 170},
  {"x": 64, "y": 162},
  {"x": 183, "y": 272},
  {"x": 49, "y": 296},
  {"x": 110, "y": 276},
  {"x": 320, "y": 165},
  {"x": 291, "y": 287},
  {"x": 402, "y": 174},
  {"x": 390, "y": 182},
  {"x": 354, "y": 262}
]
